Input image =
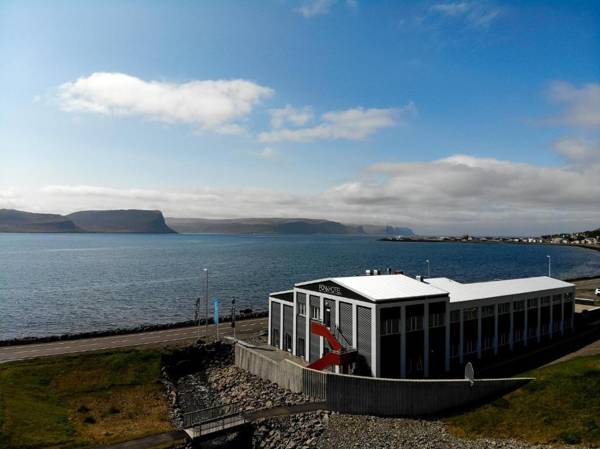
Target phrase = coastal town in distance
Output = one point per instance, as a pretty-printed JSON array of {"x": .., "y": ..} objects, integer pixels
[{"x": 300, "y": 224}]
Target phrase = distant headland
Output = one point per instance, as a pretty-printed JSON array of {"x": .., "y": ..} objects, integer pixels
[
  {"x": 120, "y": 221},
  {"x": 277, "y": 226}
]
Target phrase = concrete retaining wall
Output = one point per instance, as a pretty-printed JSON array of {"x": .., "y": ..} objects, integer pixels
[{"x": 373, "y": 396}]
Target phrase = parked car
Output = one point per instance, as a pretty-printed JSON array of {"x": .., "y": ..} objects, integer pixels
[{"x": 598, "y": 292}]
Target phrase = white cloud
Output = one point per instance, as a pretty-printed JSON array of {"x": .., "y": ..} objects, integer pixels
[
  {"x": 582, "y": 105},
  {"x": 291, "y": 115},
  {"x": 313, "y": 8},
  {"x": 477, "y": 14},
  {"x": 350, "y": 124},
  {"x": 268, "y": 153},
  {"x": 578, "y": 151},
  {"x": 8, "y": 198},
  {"x": 210, "y": 105}
]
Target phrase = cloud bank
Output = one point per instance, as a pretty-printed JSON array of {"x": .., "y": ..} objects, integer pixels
[
  {"x": 453, "y": 195},
  {"x": 210, "y": 105}
]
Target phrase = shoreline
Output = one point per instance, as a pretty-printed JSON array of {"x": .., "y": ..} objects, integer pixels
[
  {"x": 125, "y": 331},
  {"x": 487, "y": 242},
  {"x": 166, "y": 326}
]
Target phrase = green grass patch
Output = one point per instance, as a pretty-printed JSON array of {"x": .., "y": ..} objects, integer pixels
[
  {"x": 74, "y": 401},
  {"x": 561, "y": 406}
]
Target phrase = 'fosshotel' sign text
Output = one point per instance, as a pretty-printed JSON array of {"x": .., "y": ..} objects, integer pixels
[{"x": 330, "y": 290}]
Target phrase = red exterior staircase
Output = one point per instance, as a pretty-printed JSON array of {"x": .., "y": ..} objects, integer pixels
[{"x": 339, "y": 354}]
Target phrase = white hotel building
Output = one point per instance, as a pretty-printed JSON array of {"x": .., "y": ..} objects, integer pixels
[{"x": 395, "y": 326}]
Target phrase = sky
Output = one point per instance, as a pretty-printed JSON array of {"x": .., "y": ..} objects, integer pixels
[{"x": 450, "y": 117}]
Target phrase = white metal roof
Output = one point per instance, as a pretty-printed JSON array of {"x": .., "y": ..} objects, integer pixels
[
  {"x": 388, "y": 286},
  {"x": 493, "y": 289}
]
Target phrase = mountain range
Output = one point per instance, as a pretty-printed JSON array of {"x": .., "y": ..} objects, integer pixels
[{"x": 152, "y": 221}]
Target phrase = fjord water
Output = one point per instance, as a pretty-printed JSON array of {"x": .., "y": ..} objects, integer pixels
[{"x": 65, "y": 283}]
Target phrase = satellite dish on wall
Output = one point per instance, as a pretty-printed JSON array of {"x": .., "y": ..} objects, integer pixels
[{"x": 470, "y": 373}]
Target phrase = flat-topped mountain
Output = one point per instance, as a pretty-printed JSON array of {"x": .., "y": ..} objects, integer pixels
[
  {"x": 270, "y": 226},
  {"x": 127, "y": 220},
  {"x": 134, "y": 221},
  {"x": 18, "y": 221}
]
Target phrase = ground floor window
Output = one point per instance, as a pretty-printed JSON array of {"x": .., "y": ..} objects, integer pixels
[
  {"x": 287, "y": 342},
  {"x": 275, "y": 337},
  {"x": 300, "y": 348}
]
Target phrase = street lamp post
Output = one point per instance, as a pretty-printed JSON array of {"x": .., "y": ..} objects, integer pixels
[
  {"x": 428, "y": 268},
  {"x": 206, "y": 305},
  {"x": 549, "y": 266}
]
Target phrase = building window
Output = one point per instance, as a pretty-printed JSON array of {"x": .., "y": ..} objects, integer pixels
[
  {"x": 390, "y": 326},
  {"x": 287, "y": 342},
  {"x": 437, "y": 319},
  {"x": 532, "y": 303},
  {"x": 487, "y": 311},
  {"x": 503, "y": 308},
  {"x": 414, "y": 323},
  {"x": 517, "y": 335},
  {"x": 301, "y": 309},
  {"x": 455, "y": 316},
  {"x": 470, "y": 346},
  {"x": 487, "y": 343},
  {"x": 470, "y": 314},
  {"x": 518, "y": 305},
  {"x": 503, "y": 339},
  {"x": 545, "y": 300},
  {"x": 315, "y": 312},
  {"x": 556, "y": 299},
  {"x": 275, "y": 338},
  {"x": 300, "y": 347}
]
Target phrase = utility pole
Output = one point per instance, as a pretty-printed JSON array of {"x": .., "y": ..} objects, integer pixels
[
  {"x": 206, "y": 306},
  {"x": 549, "y": 266}
]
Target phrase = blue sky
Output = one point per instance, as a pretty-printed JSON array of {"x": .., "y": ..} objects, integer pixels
[{"x": 448, "y": 116}]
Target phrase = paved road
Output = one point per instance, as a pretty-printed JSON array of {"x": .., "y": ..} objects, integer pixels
[{"x": 179, "y": 336}]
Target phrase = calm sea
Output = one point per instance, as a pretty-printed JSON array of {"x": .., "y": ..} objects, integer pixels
[{"x": 62, "y": 283}]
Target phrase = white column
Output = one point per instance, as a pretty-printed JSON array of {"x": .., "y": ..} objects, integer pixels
[
  {"x": 447, "y": 338},
  {"x": 479, "y": 332},
  {"x": 496, "y": 336},
  {"x": 562, "y": 315},
  {"x": 403, "y": 341},
  {"x": 539, "y": 320},
  {"x": 375, "y": 313},
  {"x": 269, "y": 334},
  {"x": 526, "y": 302},
  {"x": 426, "y": 339},
  {"x": 461, "y": 351},
  {"x": 511, "y": 331},
  {"x": 337, "y": 325},
  {"x": 354, "y": 327},
  {"x": 281, "y": 333},
  {"x": 322, "y": 316},
  {"x": 294, "y": 324},
  {"x": 307, "y": 324}
]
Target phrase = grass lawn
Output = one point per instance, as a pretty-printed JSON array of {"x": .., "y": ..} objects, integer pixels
[
  {"x": 562, "y": 405},
  {"x": 74, "y": 401}
]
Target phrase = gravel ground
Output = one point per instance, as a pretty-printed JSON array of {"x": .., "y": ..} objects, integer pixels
[{"x": 348, "y": 431}]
